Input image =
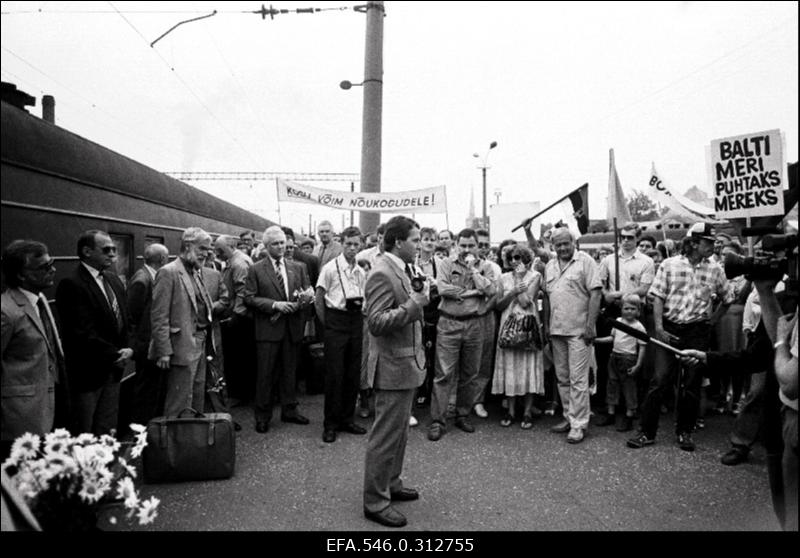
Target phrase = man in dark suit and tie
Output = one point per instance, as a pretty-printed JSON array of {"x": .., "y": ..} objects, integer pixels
[
  {"x": 395, "y": 367},
  {"x": 32, "y": 374},
  {"x": 181, "y": 319},
  {"x": 271, "y": 291},
  {"x": 93, "y": 310},
  {"x": 148, "y": 397}
]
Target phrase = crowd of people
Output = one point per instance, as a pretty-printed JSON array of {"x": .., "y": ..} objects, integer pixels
[{"x": 408, "y": 317}]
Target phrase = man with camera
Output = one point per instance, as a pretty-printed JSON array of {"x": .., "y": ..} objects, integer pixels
[
  {"x": 339, "y": 301},
  {"x": 683, "y": 291},
  {"x": 775, "y": 342},
  {"x": 395, "y": 368}
]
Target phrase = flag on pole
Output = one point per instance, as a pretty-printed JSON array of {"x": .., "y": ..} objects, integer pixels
[
  {"x": 572, "y": 211},
  {"x": 674, "y": 201},
  {"x": 616, "y": 206}
]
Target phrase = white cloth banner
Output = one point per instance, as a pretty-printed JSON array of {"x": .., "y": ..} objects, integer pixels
[
  {"x": 428, "y": 200},
  {"x": 676, "y": 202}
]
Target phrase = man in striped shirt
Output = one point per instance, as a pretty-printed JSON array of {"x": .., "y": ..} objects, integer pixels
[{"x": 684, "y": 290}]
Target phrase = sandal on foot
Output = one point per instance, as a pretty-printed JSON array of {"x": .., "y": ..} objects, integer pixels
[
  {"x": 506, "y": 420},
  {"x": 527, "y": 422}
]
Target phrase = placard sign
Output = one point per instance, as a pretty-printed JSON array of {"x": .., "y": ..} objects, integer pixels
[{"x": 747, "y": 175}]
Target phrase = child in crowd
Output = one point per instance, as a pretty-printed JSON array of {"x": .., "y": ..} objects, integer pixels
[{"x": 625, "y": 363}]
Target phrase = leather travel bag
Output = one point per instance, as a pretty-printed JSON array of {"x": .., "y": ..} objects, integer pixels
[{"x": 189, "y": 447}]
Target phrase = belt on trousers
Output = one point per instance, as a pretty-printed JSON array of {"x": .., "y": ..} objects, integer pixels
[
  {"x": 460, "y": 318},
  {"x": 343, "y": 312}
]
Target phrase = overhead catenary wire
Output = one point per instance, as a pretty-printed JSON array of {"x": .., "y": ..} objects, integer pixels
[{"x": 189, "y": 88}]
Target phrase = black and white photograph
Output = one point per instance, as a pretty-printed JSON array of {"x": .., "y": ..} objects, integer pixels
[{"x": 399, "y": 276}]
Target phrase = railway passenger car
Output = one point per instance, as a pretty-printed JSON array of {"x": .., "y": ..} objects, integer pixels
[{"x": 56, "y": 184}]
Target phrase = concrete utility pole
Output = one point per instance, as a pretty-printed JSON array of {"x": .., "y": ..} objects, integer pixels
[{"x": 373, "y": 107}]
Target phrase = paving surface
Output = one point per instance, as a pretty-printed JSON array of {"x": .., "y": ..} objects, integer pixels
[{"x": 497, "y": 478}]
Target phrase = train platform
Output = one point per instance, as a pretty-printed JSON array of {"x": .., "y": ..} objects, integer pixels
[{"x": 496, "y": 479}]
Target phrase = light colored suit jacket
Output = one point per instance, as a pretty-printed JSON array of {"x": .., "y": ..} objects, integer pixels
[
  {"x": 30, "y": 369},
  {"x": 396, "y": 355},
  {"x": 173, "y": 315}
]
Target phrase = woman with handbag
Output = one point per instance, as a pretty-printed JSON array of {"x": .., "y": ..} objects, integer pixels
[{"x": 518, "y": 361}]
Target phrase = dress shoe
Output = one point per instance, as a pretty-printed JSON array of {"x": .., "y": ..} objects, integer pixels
[
  {"x": 262, "y": 426},
  {"x": 480, "y": 411},
  {"x": 464, "y": 424},
  {"x": 387, "y": 516},
  {"x": 405, "y": 495},
  {"x": 435, "y": 431},
  {"x": 735, "y": 456},
  {"x": 329, "y": 436},
  {"x": 363, "y": 412},
  {"x": 296, "y": 418},
  {"x": 561, "y": 427},
  {"x": 352, "y": 428}
]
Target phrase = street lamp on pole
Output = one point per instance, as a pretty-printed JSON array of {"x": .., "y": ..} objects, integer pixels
[{"x": 485, "y": 222}]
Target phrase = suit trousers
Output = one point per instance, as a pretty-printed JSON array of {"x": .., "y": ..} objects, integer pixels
[
  {"x": 186, "y": 385},
  {"x": 486, "y": 369},
  {"x": 747, "y": 425},
  {"x": 277, "y": 363},
  {"x": 343, "y": 341},
  {"x": 571, "y": 357},
  {"x": 148, "y": 391},
  {"x": 386, "y": 447},
  {"x": 459, "y": 345},
  {"x": 97, "y": 411},
  {"x": 238, "y": 340}
]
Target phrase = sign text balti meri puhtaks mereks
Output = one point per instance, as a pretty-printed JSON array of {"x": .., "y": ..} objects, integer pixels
[
  {"x": 747, "y": 175},
  {"x": 427, "y": 200}
]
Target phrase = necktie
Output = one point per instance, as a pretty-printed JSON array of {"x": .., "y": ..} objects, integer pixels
[
  {"x": 48, "y": 331},
  {"x": 408, "y": 272},
  {"x": 202, "y": 292},
  {"x": 112, "y": 301},
  {"x": 279, "y": 275}
]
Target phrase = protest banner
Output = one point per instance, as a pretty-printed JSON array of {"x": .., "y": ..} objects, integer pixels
[
  {"x": 747, "y": 175},
  {"x": 427, "y": 200},
  {"x": 662, "y": 193}
]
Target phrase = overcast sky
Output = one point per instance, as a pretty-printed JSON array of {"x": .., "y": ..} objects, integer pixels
[{"x": 555, "y": 84}]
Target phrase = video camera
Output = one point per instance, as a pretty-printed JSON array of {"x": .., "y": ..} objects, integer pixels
[{"x": 765, "y": 264}]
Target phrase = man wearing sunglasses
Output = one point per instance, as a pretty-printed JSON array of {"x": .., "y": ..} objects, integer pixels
[
  {"x": 93, "y": 309},
  {"x": 636, "y": 273},
  {"x": 33, "y": 375}
]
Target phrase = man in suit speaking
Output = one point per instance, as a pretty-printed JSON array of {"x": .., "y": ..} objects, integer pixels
[{"x": 395, "y": 367}]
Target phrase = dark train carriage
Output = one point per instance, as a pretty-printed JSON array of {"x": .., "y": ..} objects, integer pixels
[{"x": 56, "y": 184}]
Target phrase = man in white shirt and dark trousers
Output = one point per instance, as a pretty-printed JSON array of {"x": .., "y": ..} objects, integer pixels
[{"x": 339, "y": 302}]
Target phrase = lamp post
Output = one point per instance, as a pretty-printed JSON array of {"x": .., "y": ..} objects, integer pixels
[{"x": 484, "y": 221}]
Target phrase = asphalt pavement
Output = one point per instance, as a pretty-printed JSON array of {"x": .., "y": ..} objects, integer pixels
[{"x": 495, "y": 479}]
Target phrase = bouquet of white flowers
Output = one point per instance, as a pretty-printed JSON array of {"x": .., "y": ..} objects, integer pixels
[{"x": 66, "y": 480}]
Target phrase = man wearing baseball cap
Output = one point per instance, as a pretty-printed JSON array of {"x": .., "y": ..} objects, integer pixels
[{"x": 683, "y": 292}]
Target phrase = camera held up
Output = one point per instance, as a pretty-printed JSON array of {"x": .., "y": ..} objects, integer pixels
[{"x": 766, "y": 265}]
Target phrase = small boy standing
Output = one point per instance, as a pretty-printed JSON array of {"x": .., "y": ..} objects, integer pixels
[{"x": 625, "y": 363}]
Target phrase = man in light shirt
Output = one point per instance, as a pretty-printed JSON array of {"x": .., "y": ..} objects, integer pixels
[{"x": 339, "y": 303}]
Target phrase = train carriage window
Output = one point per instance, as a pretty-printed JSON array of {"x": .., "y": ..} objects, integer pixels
[
  {"x": 124, "y": 244},
  {"x": 148, "y": 240}
]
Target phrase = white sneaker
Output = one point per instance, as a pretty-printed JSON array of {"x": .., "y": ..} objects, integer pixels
[
  {"x": 480, "y": 411},
  {"x": 413, "y": 421},
  {"x": 575, "y": 435}
]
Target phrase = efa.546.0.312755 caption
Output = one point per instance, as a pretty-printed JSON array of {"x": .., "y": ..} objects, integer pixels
[{"x": 400, "y": 544}]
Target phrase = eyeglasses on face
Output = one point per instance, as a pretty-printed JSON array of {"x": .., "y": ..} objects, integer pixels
[
  {"x": 516, "y": 257},
  {"x": 627, "y": 237},
  {"x": 109, "y": 249},
  {"x": 484, "y": 244}
]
